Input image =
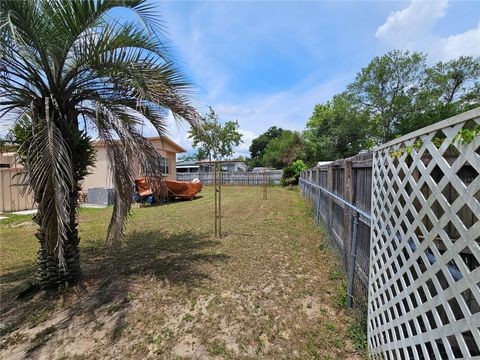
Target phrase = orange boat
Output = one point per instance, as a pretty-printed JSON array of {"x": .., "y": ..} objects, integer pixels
[{"x": 170, "y": 188}]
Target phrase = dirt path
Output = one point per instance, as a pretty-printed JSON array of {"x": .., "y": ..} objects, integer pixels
[{"x": 267, "y": 290}]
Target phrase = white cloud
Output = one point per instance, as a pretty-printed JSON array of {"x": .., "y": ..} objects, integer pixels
[
  {"x": 412, "y": 28},
  {"x": 404, "y": 25},
  {"x": 289, "y": 108},
  {"x": 233, "y": 111}
]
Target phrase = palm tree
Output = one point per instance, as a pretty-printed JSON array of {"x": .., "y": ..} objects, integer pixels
[{"x": 67, "y": 66}]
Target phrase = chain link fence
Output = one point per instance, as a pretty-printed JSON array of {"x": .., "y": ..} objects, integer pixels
[{"x": 340, "y": 196}]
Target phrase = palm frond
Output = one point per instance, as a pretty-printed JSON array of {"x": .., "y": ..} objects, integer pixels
[
  {"x": 127, "y": 150},
  {"x": 49, "y": 174}
]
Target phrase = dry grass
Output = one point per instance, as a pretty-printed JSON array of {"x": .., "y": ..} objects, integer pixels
[{"x": 266, "y": 290}]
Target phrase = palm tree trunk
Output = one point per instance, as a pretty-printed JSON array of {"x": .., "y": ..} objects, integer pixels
[{"x": 50, "y": 274}]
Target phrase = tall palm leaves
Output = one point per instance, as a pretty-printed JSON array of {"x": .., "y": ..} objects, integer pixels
[{"x": 64, "y": 63}]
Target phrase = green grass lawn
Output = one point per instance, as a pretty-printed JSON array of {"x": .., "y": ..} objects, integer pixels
[{"x": 265, "y": 290}]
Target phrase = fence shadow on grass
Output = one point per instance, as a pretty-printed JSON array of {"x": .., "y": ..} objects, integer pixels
[{"x": 108, "y": 276}]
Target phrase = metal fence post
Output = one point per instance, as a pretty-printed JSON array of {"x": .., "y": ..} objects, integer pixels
[{"x": 351, "y": 272}]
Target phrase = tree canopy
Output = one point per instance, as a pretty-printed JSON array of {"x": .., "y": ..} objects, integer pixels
[
  {"x": 284, "y": 150},
  {"x": 393, "y": 95},
  {"x": 337, "y": 129},
  {"x": 214, "y": 140},
  {"x": 259, "y": 144}
]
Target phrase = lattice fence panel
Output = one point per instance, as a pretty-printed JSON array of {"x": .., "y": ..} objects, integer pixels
[{"x": 424, "y": 283}]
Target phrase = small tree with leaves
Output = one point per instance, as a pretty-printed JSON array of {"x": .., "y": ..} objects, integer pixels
[{"x": 214, "y": 140}]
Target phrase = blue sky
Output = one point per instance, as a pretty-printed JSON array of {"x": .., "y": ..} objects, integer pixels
[{"x": 268, "y": 63}]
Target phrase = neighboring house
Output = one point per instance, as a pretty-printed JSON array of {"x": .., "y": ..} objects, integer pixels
[
  {"x": 227, "y": 165},
  {"x": 187, "y": 166},
  {"x": 100, "y": 176},
  {"x": 262, "y": 169}
]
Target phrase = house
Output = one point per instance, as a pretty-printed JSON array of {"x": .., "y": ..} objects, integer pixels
[
  {"x": 187, "y": 166},
  {"x": 227, "y": 165},
  {"x": 100, "y": 177},
  {"x": 261, "y": 169},
  {"x": 7, "y": 160},
  {"x": 12, "y": 199}
]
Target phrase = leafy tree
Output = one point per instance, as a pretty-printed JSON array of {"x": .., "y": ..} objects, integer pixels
[
  {"x": 386, "y": 88},
  {"x": 6, "y": 145},
  {"x": 259, "y": 144},
  {"x": 291, "y": 173},
  {"x": 199, "y": 155},
  {"x": 284, "y": 150},
  {"x": 70, "y": 62},
  {"x": 214, "y": 140},
  {"x": 241, "y": 158},
  {"x": 393, "y": 95},
  {"x": 448, "y": 88},
  {"x": 336, "y": 130}
]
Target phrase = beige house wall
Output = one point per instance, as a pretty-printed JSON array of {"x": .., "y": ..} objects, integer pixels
[
  {"x": 100, "y": 175},
  {"x": 12, "y": 198},
  {"x": 7, "y": 160}
]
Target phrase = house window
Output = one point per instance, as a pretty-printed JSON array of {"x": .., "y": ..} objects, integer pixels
[{"x": 164, "y": 165}]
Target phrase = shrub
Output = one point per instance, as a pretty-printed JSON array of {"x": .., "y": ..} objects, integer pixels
[{"x": 292, "y": 172}]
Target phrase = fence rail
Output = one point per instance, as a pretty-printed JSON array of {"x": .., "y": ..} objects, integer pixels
[{"x": 273, "y": 177}]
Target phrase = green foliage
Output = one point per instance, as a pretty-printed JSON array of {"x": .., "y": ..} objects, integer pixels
[
  {"x": 259, "y": 144},
  {"x": 447, "y": 89},
  {"x": 342, "y": 295},
  {"x": 466, "y": 136},
  {"x": 199, "y": 155},
  {"x": 337, "y": 129},
  {"x": 357, "y": 332},
  {"x": 284, "y": 150},
  {"x": 393, "y": 95},
  {"x": 215, "y": 140},
  {"x": 386, "y": 88},
  {"x": 291, "y": 173}
]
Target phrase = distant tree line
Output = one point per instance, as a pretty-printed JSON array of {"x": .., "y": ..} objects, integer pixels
[{"x": 393, "y": 95}]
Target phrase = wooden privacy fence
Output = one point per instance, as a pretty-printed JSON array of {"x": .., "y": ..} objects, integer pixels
[
  {"x": 235, "y": 178},
  {"x": 11, "y": 197},
  {"x": 340, "y": 197},
  {"x": 424, "y": 239}
]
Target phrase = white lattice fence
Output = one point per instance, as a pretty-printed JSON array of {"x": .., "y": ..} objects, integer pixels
[{"x": 424, "y": 285}]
